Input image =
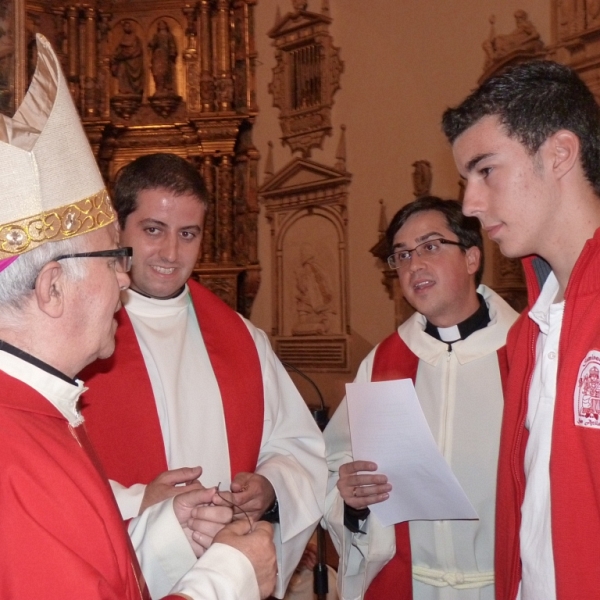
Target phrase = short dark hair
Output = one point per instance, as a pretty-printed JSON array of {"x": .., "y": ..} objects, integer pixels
[
  {"x": 152, "y": 171},
  {"x": 467, "y": 229},
  {"x": 533, "y": 101}
]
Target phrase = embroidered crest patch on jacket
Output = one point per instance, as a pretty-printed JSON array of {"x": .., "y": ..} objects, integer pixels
[{"x": 587, "y": 392}]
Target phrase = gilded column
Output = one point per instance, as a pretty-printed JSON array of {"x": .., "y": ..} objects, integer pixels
[
  {"x": 224, "y": 82},
  {"x": 252, "y": 280},
  {"x": 104, "y": 65},
  {"x": 208, "y": 238},
  {"x": 207, "y": 87},
  {"x": 91, "y": 55},
  {"x": 60, "y": 37},
  {"x": 251, "y": 56},
  {"x": 225, "y": 210},
  {"x": 72, "y": 49},
  {"x": 252, "y": 199},
  {"x": 190, "y": 56}
]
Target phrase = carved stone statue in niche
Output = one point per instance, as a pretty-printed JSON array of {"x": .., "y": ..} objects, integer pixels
[
  {"x": 164, "y": 55},
  {"x": 314, "y": 295},
  {"x": 421, "y": 178},
  {"x": 127, "y": 62},
  {"x": 525, "y": 37}
]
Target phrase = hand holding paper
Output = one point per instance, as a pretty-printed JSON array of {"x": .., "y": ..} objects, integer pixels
[
  {"x": 387, "y": 426},
  {"x": 359, "y": 489}
]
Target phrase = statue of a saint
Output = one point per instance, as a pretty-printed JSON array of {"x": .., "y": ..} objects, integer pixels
[
  {"x": 525, "y": 37},
  {"x": 314, "y": 296},
  {"x": 127, "y": 62},
  {"x": 421, "y": 177},
  {"x": 164, "y": 54}
]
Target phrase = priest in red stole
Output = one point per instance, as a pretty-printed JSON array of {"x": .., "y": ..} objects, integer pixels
[
  {"x": 453, "y": 350},
  {"x": 61, "y": 276},
  {"x": 193, "y": 384}
]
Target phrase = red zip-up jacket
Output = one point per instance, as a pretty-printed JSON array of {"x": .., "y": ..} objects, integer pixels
[{"x": 575, "y": 454}]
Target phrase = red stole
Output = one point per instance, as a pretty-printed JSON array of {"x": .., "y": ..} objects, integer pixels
[
  {"x": 121, "y": 416},
  {"x": 395, "y": 360}
]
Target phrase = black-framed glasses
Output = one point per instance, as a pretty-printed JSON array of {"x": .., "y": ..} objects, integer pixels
[
  {"x": 122, "y": 256},
  {"x": 429, "y": 249}
]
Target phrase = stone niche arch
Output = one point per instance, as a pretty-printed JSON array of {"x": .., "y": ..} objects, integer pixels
[
  {"x": 306, "y": 207},
  {"x": 310, "y": 259}
]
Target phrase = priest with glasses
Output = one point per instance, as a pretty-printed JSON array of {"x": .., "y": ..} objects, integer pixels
[{"x": 453, "y": 350}]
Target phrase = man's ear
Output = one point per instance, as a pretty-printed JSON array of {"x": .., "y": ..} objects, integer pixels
[
  {"x": 563, "y": 148},
  {"x": 49, "y": 289},
  {"x": 473, "y": 258}
]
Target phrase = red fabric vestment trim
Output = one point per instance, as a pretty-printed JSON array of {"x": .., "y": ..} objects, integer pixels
[
  {"x": 394, "y": 360},
  {"x": 235, "y": 361},
  {"x": 121, "y": 415}
]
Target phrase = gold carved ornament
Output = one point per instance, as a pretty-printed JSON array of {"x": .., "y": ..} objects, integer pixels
[{"x": 84, "y": 216}]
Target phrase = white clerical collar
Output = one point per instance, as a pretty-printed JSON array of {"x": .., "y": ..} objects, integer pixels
[
  {"x": 144, "y": 306},
  {"x": 64, "y": 396},
  {"x": 449, "y": 334}
]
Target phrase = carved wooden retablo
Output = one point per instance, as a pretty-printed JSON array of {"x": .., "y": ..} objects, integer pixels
[{"x": 160, "y": 76}]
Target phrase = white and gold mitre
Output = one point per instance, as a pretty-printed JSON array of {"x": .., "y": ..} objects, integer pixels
[{"x": 50, "y": 185}]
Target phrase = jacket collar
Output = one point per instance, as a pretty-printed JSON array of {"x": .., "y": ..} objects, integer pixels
[{"x": 585, "y": 277}]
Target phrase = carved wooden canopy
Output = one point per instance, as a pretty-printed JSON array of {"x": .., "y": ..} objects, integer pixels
[{"x": 306, "y": 77}]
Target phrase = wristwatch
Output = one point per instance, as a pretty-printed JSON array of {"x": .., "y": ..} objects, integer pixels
[{"x": 271, "y": 515}]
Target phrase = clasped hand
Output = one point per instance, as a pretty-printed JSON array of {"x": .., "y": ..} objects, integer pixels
[
  {"x": 251, "y": 495},
  {"x": 203, "y": 512},
  {"x": 193, "y": 505}
]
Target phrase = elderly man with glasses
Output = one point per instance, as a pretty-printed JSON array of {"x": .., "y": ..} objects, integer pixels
[
  {"x": 61, "y": 276},
  {"x": 453, "y": 350}
]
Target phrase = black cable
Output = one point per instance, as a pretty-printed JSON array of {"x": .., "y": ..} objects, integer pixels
[
  {"x": 292, "y": 367},
  {"x": 320, "y": 579},
  {"x": 320, "y": 415}
]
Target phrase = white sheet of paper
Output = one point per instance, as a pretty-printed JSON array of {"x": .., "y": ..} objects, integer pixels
[{"x": 388, "y": 427}]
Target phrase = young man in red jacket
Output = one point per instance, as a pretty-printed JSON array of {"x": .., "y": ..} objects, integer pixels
[{"x": 527, "y": 143}]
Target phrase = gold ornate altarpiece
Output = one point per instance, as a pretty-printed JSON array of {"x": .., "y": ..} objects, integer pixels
[{"x": 160, "y": 76}]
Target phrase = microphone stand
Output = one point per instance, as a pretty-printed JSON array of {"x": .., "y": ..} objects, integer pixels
[{"x": 320, "y": 415}]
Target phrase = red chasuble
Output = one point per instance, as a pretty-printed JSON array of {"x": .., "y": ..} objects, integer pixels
[
  {"x": 394, "y": 360},
  {"x": 120, "y": 411},
  {"x": 61, "y": 534}
]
